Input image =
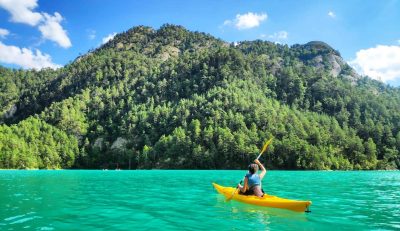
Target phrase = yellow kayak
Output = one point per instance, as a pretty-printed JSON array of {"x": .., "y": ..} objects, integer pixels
[{"x": 266, "y": 200}]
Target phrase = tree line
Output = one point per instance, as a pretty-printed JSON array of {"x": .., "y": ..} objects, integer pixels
[{"x": 171, "y": 98}]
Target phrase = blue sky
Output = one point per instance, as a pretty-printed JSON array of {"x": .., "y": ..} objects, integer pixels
[{"x": 48, "y": 33}]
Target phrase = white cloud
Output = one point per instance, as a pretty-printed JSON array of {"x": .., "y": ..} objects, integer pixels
[
  {"x": 281, "y": 35},
  {"x": 21, "y": 11},
  {"x": 91, "y": 34},
  {"x": 52, "y": 30},
  {"x": 331, "y": 14},
  {"x": 4, "y": 33},
  {"x": 227, "y": 22},
  {"x": 25, "y": 57},
  {"x": 277, "y": 37},
  {"x": 108, "y": 38},
  {"x": 246, "y": 21},
  {"x": 380, "y": 62}
]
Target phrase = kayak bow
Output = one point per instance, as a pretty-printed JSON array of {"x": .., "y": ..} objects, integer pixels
[{"x": 266, "y": 200}]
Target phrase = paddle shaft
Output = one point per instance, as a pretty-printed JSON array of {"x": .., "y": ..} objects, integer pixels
[
  {"x": 262, "y": 151},
  {"x": 258, "y": 157},
  {"x": 237, "y": 187}
]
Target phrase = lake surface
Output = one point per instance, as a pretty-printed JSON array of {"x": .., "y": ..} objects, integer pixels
[{"x": 186, "y": 200}]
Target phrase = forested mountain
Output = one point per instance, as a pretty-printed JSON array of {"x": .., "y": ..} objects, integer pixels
[{"x": 171, "y": 98}]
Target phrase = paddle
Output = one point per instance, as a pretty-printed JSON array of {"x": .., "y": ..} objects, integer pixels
[{"x": 262, "y": 151}]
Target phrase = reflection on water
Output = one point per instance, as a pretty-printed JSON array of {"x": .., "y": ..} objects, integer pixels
[
  {"x": 259, "y": 211},
  {"x": 258, "y": 216}
]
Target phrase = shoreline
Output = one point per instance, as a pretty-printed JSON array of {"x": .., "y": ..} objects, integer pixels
[{"x": 294, "y": 170}]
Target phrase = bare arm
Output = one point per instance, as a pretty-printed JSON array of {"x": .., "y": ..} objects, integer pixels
[
  {"x": 263, "y": 171},
  {"x": 244, "y": 187}
]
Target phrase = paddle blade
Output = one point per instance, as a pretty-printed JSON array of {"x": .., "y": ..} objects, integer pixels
[{"x": 266, "y": 146}]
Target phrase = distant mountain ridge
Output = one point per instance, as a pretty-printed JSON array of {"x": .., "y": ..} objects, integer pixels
[{"x": 172, "y": 98}]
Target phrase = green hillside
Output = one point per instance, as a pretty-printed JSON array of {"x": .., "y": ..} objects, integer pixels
[{"x": 171, "y": 98}]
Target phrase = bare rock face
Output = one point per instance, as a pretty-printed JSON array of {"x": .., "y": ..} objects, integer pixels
[
  {"x": 338, "y": 67},
  {"x": 331, "y": 61},
  {"x": 335, "y": 63},
  {"x": 318, "y": 62},
  {"x": 170, "y": 51},
  {"x": 120, "y": 45},
  {"x": 325, "y": 57},
  {"x": 119, "y": 143}
]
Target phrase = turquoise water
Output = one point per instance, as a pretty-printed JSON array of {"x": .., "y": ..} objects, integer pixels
[{"x": 185, "y": 200}]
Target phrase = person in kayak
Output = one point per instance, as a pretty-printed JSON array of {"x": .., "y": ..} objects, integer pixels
[{"x": 252, "y": 180}]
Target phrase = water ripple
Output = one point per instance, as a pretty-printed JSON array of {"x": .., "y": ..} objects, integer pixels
[{"x": 170, "y": 200}]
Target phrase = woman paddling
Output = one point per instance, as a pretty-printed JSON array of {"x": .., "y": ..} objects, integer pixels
[{"x": 252, "y": 180}]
